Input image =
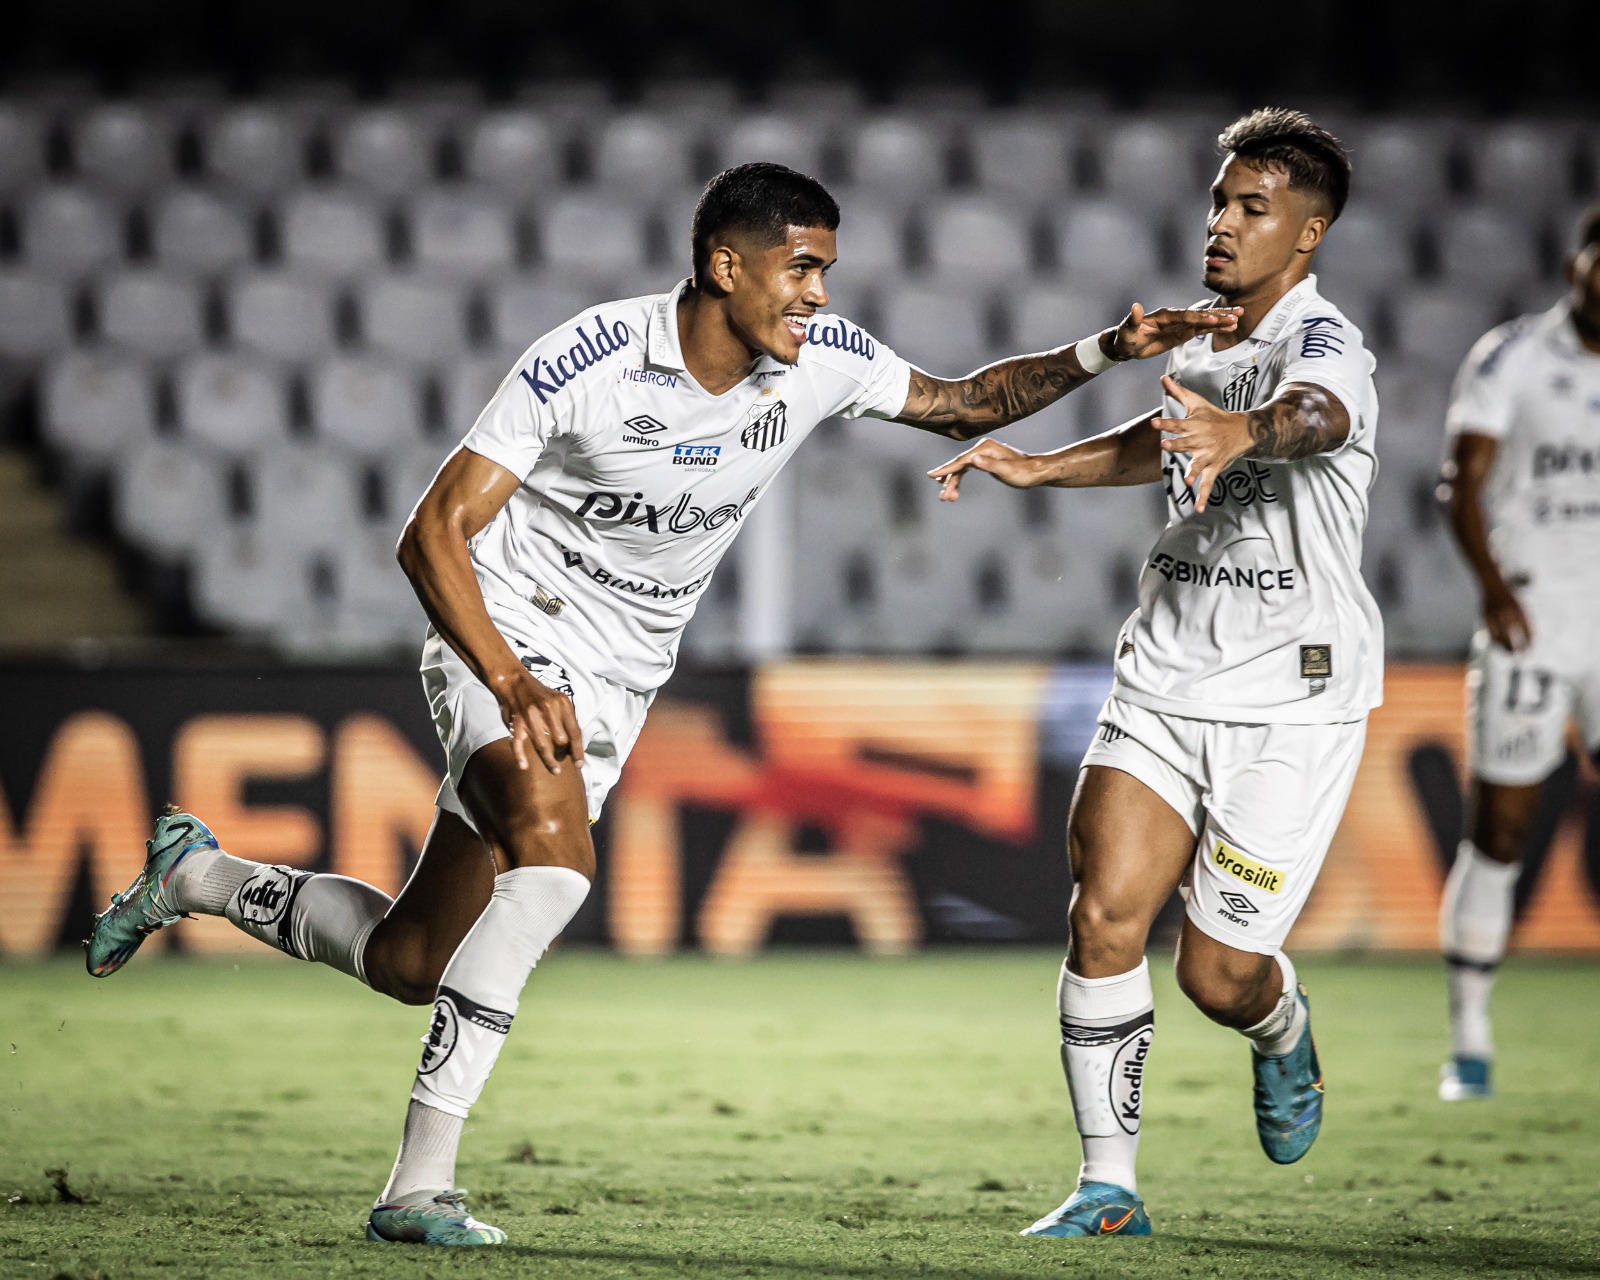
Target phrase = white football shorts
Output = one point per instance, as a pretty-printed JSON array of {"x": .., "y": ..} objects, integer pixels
[
  {"x": 467, "y": 716},
  {"x": 1518, "y": 704},
  {"x": 1263, "y": 801}
]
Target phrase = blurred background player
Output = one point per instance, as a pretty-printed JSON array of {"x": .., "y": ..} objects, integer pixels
[
  {"x": 1523, "y": 491},
  {"x": 1229, "y": 743},
  {"x": 559, "y": 554}
]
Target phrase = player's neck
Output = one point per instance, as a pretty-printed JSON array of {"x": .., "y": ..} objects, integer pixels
[
  {"x": 1256, "y": 302},
  {"x": 716, "y": 357},
  {"x": 1588, "y": 332}
]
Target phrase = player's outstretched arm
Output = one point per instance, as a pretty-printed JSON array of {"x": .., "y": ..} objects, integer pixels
[
  {"x": 1301, "y": 420},
  {"x": 1461, "y": 489},
  {"x": 460, "y": 502},
  {"x": 1124, "y": 455},
  {"x": 1003, "y": 392}
]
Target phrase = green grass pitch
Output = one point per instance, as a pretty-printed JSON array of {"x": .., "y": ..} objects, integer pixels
[{"x": 801, "y": 1115}]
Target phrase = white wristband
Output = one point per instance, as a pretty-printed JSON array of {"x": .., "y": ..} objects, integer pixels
[{"x": 1091, "y": 357}]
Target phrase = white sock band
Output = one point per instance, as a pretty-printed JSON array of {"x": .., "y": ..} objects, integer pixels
[
  {"x": 1107, "y": 1025},
  {"x": 427, "y": 1159},
  {"x": 480, "y": 987},
  {"x": 1474, "y": 924},
  {"x": 323, "y": 918},
  {"x": 1281, "y": 1029}
]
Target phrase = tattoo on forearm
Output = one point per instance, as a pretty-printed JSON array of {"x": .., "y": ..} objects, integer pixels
[
  {"x": 1300, "y": 422},
  {"x": 993, "y": 396}
]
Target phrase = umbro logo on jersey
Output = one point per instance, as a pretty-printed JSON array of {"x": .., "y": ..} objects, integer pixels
[
  {"x": 547, "y": 377},
  {"x": 696, "y": 455},
  {"x": 642, "y": 426},
  {"x": 768, "y": 428}
]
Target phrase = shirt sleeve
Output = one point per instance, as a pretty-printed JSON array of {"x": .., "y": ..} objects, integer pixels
[
  {"x": 1328, "y": 352},
  {"x": 1480, "y": 398},
  {"x": 517, "y": 423},
  {"x": 873, "y": 381}
]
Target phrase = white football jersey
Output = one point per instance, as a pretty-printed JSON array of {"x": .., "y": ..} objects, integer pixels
[
  {"x": 1254, "y": 610},
  {"x": 1535, "y": 388},
  {"x": 635, "y": 479}
]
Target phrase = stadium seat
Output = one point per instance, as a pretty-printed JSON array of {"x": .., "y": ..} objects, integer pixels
[
  {"x": 468, "y": 386},
  {"x": 1152, "y": 164},
  {"x": 1045, "y": 316},
  {"x": 643, "y": 154},
  {"x": 332, "y": 231},
  {"x": 307, "y": 496},
  {"x": 1369, "y": 245},
  {"x": 364, "y": 405},
  {"x": 151, "y": 313},
  {"x": 973, "y": 238},
  {"x": 592, "y": 235},
  {"x": 21, "y": 148},
  {"x": 281, "y": 314},
  {"x": 66, "y": 230},
  {"x": 376, "y": 609},
  {"x": 168, "y": 498},
  {"x": 778, "y": 138},
  {"x": 897, "y": 157},
  {"x": 242, "y": 582},
  {"x": 523, "y": 310},
  {"x": 1022, "y": 156},
  {"x": 35, "y": 316},
  {"x": 1439, "y": 325},
  {"x": 1412, "y": 400},
  {"x": 96, "y": 403},
  {"x": 937, "y": 329},
  {"x": 383, "y": 150},
  {"x": 197, "y": 229},
  {"x": 465, "y": 233},
  {"x": 1102, "y": 243},
  {"x": 516, "y": 152},
  {"x": 123, "y": 147},
  {"x": 258, "y": 149},
  {"x": 407, "y": 473},
  {"x": 1485, "y": 249},
  {"x": 413, "y": 317},
  {"x": 1399, "y": 163},
  {"x": 872, "y": 239},
  {"x": 232, "y": 404},
  {"x": 1522, "y": 165}
]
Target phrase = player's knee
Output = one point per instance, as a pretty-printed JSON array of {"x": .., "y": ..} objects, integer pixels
[
  {"x": 1103, "y": 927},
  {"x": 402, "y": 972},
  {"x": 547, "y": 840}
]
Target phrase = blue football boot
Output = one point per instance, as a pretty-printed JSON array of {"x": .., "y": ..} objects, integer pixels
[
  {"x": 430, "y": 1217},
  {"x": 1095, "y": 1209},
  {"x": 1288, "y": 1096},
  {"x": 1464, "y": 1078},
  {"x": 136, "y": 912}
]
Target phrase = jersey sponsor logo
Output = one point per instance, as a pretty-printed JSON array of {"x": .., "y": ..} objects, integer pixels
[
  {"x": 1546, "y": 511},
  {"x": 1243, "y": 485},
  {"x": 1241, "y": 389},
  {"x": 1321, "y": 336},
  {"x": 649, "y": 377},
  {"x": 1565, "y": 459},
  {"x": 1263, "y": 578},
  {"x": 768, "y": 428},
  {"x": 631, "y": 586},
  {"x": 1247, "y": 870},
  {"x": 841, "y": 336},
  {"x": 680, "y": 517},
  {"x": 548, "y": 377},
  {"x": 642, "y": 426},
  {"x": 696, "y": 455},
  {"x": 1127, "y": 1078}
]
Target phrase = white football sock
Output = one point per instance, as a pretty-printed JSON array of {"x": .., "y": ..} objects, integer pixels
[
  {"x": 323, "y": 918},
  {"x": 1474, "y": 923},
  {"x": 1281, "y": 1029},
  {"x": 427, "y": 1159},
  {"x": 478, "y": 996},
  {"x": 1107, "y": 1025}
]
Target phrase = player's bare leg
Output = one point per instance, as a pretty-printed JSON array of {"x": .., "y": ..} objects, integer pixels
[
  {"x": 535, "y": 823},
  {"x": 1474, "y": 923},
  {"x": 1128, "y": 849}
]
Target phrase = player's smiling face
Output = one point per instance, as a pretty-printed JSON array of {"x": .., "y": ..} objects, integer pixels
[
  {"x": 1259, "y": 229},
  {"x": 776, "y": 291}
]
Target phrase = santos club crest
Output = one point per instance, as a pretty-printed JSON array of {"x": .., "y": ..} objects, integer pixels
[{"x": 768, "y": 427}]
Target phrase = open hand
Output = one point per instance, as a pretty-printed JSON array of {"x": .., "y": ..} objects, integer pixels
[
  {"x": 1144, "y": 334},
  {"x": 541, "y": 720},
  {"x": 1009, "y": 466},
  {"x": 1505, "y": 618},
  {"x": 1213, "y": 438}
]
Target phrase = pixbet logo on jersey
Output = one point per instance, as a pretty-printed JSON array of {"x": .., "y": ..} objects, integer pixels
[{"x": 680, "y": 517}]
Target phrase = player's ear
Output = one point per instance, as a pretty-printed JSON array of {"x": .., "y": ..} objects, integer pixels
[
  {"x": 722, "y": 267},
  {"x": 1316, "y": 226}
]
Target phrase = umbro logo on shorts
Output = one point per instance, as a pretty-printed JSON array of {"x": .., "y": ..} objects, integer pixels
[{"x": 1240, "y": 903}]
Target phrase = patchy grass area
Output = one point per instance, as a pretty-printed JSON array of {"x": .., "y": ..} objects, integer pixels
[{"x": 803, "y": 1115}]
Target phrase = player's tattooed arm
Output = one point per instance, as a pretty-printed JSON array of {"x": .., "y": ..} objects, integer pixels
[
  {"x": 1125, "y": 455},
  {"x": 1303, "y": 419},
  {"x": 1003, "y": 392}
]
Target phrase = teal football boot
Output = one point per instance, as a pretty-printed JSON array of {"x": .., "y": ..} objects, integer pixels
[
  {"x": 1288, "y": 1096},
  {"x": 136, "y": 912},
  {"x": 1463, "y": 1078},
  {"x": 430, "y": 1217},
  {"x": 1095, "y": 1209}
]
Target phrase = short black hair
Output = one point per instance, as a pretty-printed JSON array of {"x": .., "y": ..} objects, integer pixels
[
  {"x": 1314, "y": 159},
  {"x": 762, "y": 200},
  {"x": 1588, "y": 229}
]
